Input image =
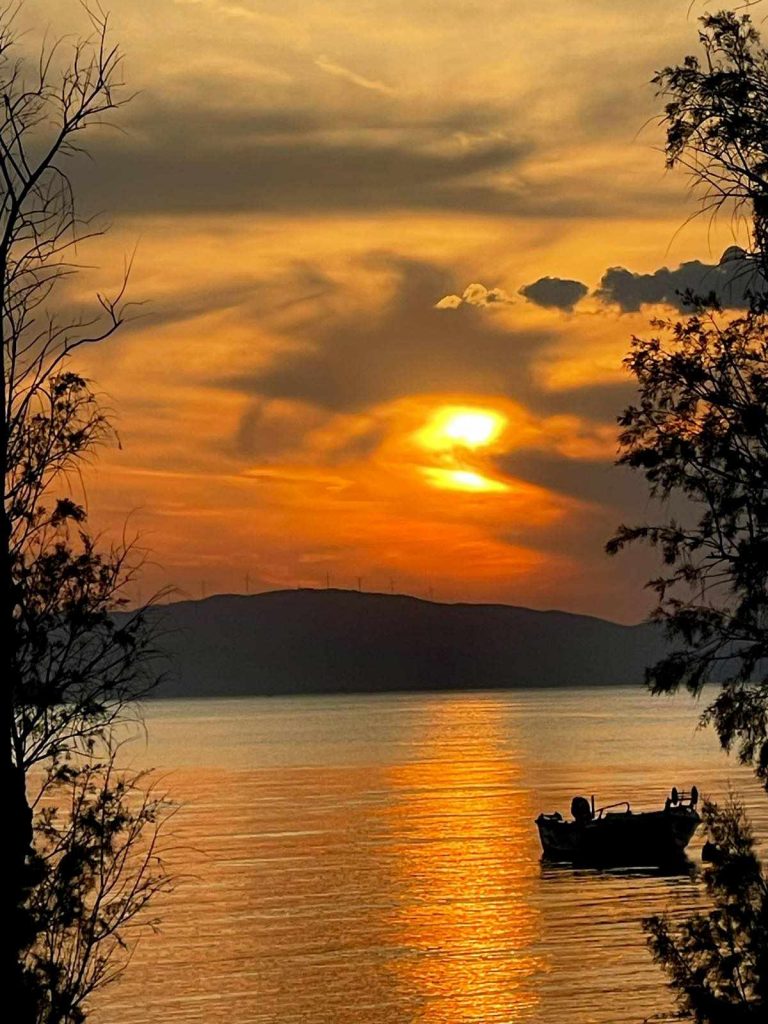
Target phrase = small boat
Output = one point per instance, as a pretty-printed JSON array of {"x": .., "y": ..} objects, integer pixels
[{"x": 616, "y": 835}]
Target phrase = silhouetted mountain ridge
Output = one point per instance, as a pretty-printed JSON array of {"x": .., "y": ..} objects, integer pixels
[{"x": 325, "y": 641}]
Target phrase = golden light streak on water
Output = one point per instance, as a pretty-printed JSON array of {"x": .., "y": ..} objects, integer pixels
[
  {"x": 465, "y": 914},
  {"x": 373, "y": 859}
]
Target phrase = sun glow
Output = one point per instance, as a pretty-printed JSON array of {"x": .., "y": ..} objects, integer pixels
[
  {"x": 463, "y": 480},
  {"x": 473, "y": 428},
  {"x": 467, "y": 427},
  {"x": 450, "y": 434}
]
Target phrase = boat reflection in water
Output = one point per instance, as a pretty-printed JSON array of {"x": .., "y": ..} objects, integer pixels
[{"x": 617, "y": 836}]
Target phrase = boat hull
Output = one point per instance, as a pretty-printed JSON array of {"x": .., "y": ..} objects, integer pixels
[{"x": 651, "y": 838}]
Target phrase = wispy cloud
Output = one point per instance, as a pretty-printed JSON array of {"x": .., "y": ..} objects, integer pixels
[{"x": 332, "y": 68}]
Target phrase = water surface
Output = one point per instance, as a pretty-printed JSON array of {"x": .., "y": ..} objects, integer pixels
[{"x": 373, "y": 859}]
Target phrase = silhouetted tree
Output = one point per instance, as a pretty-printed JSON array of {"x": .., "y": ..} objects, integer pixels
[
  {"x": 699, "y": 431},
  {"x": 80, "y": 848},
  {"x": 699, "y": 434},
  {"x": 717, "y": 960},
  {"x": 716, "y": 119}
]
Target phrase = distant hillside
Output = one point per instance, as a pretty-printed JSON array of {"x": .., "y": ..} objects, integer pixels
[{"x": 322, "y": 641}]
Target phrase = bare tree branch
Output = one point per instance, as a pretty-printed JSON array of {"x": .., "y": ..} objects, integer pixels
[{"x": 83, "y": 849}]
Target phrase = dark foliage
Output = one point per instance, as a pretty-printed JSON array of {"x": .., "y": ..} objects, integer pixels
[
  {"x": 81, "y": 857},
  {"x": 716, "y": 117},
  {"x": 94, "y": 867},
  {"x": 717, "y": 961},
  {"x": 700, "y": 432}
]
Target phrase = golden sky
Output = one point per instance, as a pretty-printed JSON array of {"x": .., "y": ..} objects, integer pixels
[{"x": 334, "y": 206}]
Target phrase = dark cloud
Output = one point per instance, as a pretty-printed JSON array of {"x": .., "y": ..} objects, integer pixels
[
  {"x": 350, "y": 361},
  {"x": 615, "y": 495},
  {"x": 601, "y": 402},
  {"x": 190, "y": 155},
  {"x": 361, "y": 446},
  {"x": 555, "y": 292},
  {"x": 599, "y": 482},
  {"x": 267, "y": 432},
  {"x": 337, "y": 357},
  {"x": 193, "y": 158},
  {"x": 731, "y": 281}
]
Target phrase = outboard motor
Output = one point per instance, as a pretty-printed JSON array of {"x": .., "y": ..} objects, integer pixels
[{"x": 581, "y": 810}]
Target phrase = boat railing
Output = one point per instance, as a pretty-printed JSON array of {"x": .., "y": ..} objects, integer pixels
[{"x": 609, "y": 807}]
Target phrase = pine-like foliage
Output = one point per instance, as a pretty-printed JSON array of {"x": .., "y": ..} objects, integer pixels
[{"x": 717, "y": 960}]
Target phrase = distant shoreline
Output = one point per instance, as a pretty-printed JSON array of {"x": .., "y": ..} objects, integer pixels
[{"x": 299, "y": 642}]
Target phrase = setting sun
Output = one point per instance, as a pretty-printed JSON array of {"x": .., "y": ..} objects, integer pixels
[
  {"x": 473, "y": 428},
  {"x": 468, "y": 427}
]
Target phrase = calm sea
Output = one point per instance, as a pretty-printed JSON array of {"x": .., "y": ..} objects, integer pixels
[{"x": 373, "y": 859}]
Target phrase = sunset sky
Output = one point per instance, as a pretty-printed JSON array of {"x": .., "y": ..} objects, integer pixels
[{"x": 347, "y": 364}]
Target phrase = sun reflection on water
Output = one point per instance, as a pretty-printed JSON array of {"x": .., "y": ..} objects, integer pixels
[
  {"x": 373, "y": 860},
  {"x": 460, "y": 823}
]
